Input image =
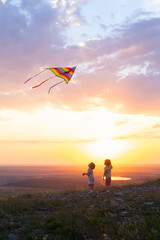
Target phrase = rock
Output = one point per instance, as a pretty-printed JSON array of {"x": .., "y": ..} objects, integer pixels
[
  {"x": 11, "y": 236},
  {"x": 148, "y": 203},
  {"x": 80, "y": 195},
  {"x": 63, "y": 198},
  {"x": 120, "y": 193},
  {"x": 119, "y": 199},
  {"x": 124, "y": 212}
]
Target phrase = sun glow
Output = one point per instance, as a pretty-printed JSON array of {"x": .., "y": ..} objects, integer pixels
[
  {"x": 107, "y": 148},
  {"x": 86, "y": 136}
]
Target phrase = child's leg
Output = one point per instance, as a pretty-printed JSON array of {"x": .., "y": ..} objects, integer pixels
[
  {"x": 108, "y": 182},
  {"x": 91, "y": 187}
]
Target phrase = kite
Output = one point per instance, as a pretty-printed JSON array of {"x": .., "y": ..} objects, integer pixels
[{"x": 64, "y": 72}]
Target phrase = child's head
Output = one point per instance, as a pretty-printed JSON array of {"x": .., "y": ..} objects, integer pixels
[
  {"x": 91, "y": 165},
  {"x": 107, "y": 162}
]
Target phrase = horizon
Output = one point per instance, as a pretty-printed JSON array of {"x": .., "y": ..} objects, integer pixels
[
  {"x": 15, "y": 180},
  {"x": 76, "y": 165},
  {"x": 109, "y": 108}
]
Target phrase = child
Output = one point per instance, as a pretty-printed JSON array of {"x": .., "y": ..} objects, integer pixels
[
  {"x": 107, "y": 173},
  {"x": 90, "y": 176}
]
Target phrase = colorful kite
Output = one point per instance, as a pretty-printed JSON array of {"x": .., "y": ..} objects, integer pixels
[{"x": 66, "y": 73}]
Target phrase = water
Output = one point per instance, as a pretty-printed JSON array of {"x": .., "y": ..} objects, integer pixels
[{"x": 121, "y": 178}]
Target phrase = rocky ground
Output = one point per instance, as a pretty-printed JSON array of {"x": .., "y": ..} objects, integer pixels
[{"x": 126, "y": 213}]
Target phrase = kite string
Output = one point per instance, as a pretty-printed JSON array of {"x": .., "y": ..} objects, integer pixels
[
  {"x": 54, "y": 86},
  {"x": 34, "y": 76},
  {"x": 42, "y": 83}
]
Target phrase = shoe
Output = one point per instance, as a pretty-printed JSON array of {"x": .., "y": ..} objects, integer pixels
[{"x": 91, "y": 191}]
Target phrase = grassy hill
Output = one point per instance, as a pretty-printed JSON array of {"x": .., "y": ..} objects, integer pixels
[{"x": 126, "y": 213}]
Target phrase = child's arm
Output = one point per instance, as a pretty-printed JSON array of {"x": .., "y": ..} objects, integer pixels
[
  {"x": 85, "y": 174},
  {"x": 88, "y": 172},
  {"x": 104, "y": 173}
]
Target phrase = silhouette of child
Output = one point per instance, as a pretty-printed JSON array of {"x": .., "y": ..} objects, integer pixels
[
  {"x": 90, "y": 175},
  {"x": 107, "y": 173}
]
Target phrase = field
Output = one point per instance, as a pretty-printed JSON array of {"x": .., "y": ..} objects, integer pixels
[{"x": 39, "y": 204}]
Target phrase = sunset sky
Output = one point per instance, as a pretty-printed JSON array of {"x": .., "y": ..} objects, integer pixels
[{"x": 111, "y": 106}]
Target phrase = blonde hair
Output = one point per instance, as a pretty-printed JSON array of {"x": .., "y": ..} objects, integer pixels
[{"x": 107, "y": 162}]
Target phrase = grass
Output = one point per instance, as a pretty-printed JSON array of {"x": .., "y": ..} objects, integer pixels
[{"x": 129, "y": 212}]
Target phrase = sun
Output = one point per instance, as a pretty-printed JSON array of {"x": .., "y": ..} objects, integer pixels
[{"x": 107, "y": 148}]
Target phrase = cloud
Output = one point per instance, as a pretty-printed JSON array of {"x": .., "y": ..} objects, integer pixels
[
  {"x": 29, "y": 30},
  {"x": 34, "y": 36},
  {"x": 121, "y": 122},
  {"x": 156, "y": 126},
  {"x": 136, "y": 45},
  {"x": 47, "y": 141},
  {"x": 137, "y": 136},
  {"x": 4, "y": 119}
]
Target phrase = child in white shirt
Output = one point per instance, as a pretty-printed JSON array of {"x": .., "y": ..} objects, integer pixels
[
  {"x": 107, "y": 173},
  {"x": 90, "y": 175}
]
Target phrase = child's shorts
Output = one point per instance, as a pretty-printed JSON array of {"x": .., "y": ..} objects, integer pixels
[
  {"x": 91, "y": 182},
  {"x": 108, "y": 182}
]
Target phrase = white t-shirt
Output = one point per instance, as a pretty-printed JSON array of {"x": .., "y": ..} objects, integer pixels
[
  {"x": 90, "y": 176},
  {"x": 107, "y": 171}
]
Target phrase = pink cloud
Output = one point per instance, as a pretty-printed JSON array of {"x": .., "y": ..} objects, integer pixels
[
  {"x": 156, "y": 126},
  {"x": 34, "y": 36}
]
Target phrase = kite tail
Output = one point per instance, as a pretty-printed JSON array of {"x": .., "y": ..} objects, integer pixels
[
  {"x": 42, "y": 83},
  {"x": 54, "y": 86},
  {"x": 34, "y": 76}
]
